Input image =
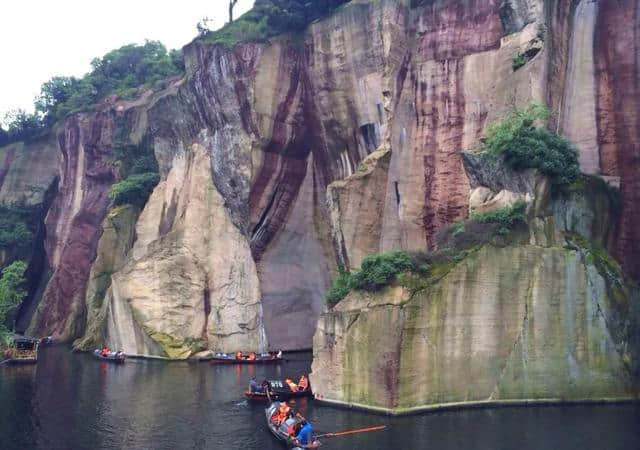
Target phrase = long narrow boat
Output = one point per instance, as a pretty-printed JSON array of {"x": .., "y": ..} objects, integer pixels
[
  {"x": 279, "y": 432},
  {"x": 114, "y": 357},
  {"x": 229, "y": 358},
  {"x": 277, "y": 394}
]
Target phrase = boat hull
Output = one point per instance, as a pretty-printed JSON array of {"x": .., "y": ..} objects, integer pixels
[
  {"x": 277, "y": 395},
  {"x": 112, "y": 359},
  {"x": 215, "y": 360}
]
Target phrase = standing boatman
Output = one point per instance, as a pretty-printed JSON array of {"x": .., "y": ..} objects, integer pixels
[{"x": 305, "y": 437}]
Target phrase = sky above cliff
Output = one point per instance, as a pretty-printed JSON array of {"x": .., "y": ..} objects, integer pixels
[{"x": 42, "y": 38}]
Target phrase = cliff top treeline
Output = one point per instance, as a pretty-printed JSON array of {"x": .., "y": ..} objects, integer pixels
[
  {"x": 123, "y": 70},
  {"x": 270, "y": 18},
  {"x": 120, "y": 72}
]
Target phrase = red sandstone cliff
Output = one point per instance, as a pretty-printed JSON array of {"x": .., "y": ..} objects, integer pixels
[{"x": 253, "y": 246}]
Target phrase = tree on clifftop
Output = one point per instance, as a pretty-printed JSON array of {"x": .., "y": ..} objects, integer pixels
[{"x": 232, "y": 4}]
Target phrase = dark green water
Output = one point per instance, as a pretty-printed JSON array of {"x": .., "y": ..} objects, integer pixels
[{"x": 72, "y": 401}]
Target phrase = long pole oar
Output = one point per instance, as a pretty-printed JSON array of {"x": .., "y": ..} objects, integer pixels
[{"x": 358, "y": 430}]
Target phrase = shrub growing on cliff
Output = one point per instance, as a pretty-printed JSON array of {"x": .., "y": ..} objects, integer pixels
[
  {"x": 487, "y": 227},
  {"x": 12, "y": 291},
  {"x": 135, "y": 189},
  {"x": 526, "y": 145},
  {"x": 376, "y": 272}
]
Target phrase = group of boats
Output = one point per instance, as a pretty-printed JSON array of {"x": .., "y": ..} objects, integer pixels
[{"x": 281, "y": 422}]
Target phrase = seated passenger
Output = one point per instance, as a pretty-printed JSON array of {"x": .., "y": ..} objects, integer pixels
[
  {"x": 238, "y": 355},
  {"x": 292, "y": 385},
  {"x": 281, "y": 414},
  {"x": 303, "y": 384},
  {"x": 105, "y": 351},
  {"x": 252, "y": 356}
]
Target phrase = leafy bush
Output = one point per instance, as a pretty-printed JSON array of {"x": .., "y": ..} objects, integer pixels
[
  {"x": 270, "y": 18},
  {"x": 21, "y": 126},
  {"x": 135, "y": 189},
  {"x": 525, "y": 145},
  {"x": 494, "y": 226},
  {"x": 12, "y": 291},
  {"x": 518, "y": 61},
  {"x": 505, "y": 218},
  {"x": 380, "y": 270}
]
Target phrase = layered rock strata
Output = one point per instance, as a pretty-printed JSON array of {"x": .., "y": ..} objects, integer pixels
[{"x": 276, "y": 123}]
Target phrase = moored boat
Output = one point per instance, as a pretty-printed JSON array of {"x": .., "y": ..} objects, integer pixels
[
  {"x": 114, "y": 357},
  {"x": 23, "y": 351},
  {"x": 248, "y": 358}
]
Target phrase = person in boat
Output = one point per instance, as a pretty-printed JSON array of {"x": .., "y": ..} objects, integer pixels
[
  {"x": 281, "y": 414},
  {"x": 252, "y": 356},
  {"x": 266, "y": 387},
  {"x": 279, "y": 354},
  {"x": 292, "y": 385},
  {"x": 238, "y": 355},
  {"x": 254, "y": 388},
  {"x": 305, "y": 436},
  {"x": 303, "y": 384},
  {"x": 105, "y": 351}
]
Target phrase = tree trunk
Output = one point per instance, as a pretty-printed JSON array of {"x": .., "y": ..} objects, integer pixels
[{"x": 232, "y": 3}]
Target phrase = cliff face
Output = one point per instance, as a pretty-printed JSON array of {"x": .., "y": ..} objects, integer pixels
[
  {"x": 541, "y": 316},
  {"x": 281, "y": 160}
]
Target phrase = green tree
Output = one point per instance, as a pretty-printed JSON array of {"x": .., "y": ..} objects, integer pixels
[
  {"x": 23, "y": 125},
  {"x": 12, "y": 291}
]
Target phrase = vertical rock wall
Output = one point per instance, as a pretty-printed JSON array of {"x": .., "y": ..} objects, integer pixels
[{"x": 378, "y": 99}]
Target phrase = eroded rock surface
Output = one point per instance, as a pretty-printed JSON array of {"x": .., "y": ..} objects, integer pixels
[{"x": 268, "y": 131}]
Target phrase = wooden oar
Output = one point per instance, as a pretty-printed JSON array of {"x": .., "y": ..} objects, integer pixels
[{"x": 358, "y": 430}]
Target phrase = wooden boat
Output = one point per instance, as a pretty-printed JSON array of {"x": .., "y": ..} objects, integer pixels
[
  {"x": 279, "y": 391},
  {"x": 114, "y": 357},
  {"x": 24, "y": 351},
  {"x": 260, "y": 358},
  {"x": 280, "y": 432}
]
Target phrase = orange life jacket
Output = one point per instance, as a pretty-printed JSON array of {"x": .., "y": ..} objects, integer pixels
[
  {"x": 292, "y": 385},
  {"x": 252, "y": 356},
  {"x": 303, "y": 383},
  {"x": 238, "y": 355}
]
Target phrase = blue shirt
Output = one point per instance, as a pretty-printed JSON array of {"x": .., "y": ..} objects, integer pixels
[
  {"x": 305, "y": 434},
  {"x": 253, "y": 386}
]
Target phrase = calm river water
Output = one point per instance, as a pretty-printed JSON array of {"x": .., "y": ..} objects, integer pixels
[{"x": 72, "y": 401}]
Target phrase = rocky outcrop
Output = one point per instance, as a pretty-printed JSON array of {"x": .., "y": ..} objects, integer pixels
[
  {"x": 554, "y": 320},
  {"x": 281, "y": 160},
  {"x": 506, "y": 324}
]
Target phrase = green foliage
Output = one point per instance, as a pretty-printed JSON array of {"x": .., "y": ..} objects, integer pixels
[
  {"x": 21, "y": 125},
  {"x": 12, "y": 291},
  {"x": 413, "y": 270},
  {"x": 120, "y": 72},
  {"x": 499, "y": 227},
  {"x": 135, "y": 189},
  {"x": 525, "y": 145},
  {"x": 270, "y": 18},
  {"x": 340, "y": 288},
  {"x": 505, "y": 218},
  {"x": 16, "y": 226},
  {"x": 518, "y": 61}
]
